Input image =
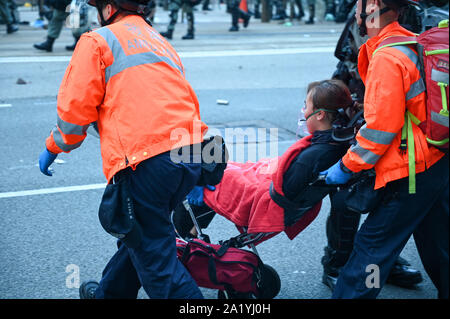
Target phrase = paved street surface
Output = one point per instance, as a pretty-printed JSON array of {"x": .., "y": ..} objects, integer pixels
[{"x": 50, "y": 228}]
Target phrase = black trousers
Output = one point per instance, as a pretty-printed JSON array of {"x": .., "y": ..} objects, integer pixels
[
  {"x": 156, "y": 186},
  {"x": 385, "y": 232}
]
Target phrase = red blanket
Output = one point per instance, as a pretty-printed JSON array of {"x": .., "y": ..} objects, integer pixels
[{"x": 243, "y": 194}]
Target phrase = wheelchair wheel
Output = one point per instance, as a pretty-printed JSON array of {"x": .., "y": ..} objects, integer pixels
[{"x": 270, "y": 283}]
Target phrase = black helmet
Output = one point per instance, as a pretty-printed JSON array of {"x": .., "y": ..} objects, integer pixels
[
  {"x": 390, "y": 4},
  {"x": 139, "y": 7},
  {"x": 402, "y": 3},
  {"x": 133, "y": 6}
]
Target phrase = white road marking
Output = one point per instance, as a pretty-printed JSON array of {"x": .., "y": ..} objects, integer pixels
[
  {"x": 5, "y": 105},
  {"x": 34, "y": 59},
  {"x": 196, "y": 54},
  {"x": 206, "y": 54},
  {"x": 45, "y": 191}
]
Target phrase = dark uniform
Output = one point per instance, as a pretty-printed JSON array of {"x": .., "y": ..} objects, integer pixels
[
  {"x": 205, "y": 6},
  {"x": 236, "y": 13},
  {"x": 330, "y": 9},
  {"x": 312, "y": 11},
  {"x": 280, "y": 6},
  {"x": 174, "y": 7},
  {"x": 59, "y": 18},
  {"x": 5, "y": 14},
  {"x": 257, "y": 12},
  {"x": 280, "y": 9}
]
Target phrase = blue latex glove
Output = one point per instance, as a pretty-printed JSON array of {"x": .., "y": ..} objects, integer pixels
[
  {"x": 45, "y": 160},
  {"x": 336, "y": 175},
  {"x": 195, "y": 197}
]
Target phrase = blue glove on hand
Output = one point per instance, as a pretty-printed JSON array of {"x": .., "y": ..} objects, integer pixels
[
  {"x": 336, "y": 175},
  {"x": 45, "y": 160},
  {"x": 195, "y": 197}
]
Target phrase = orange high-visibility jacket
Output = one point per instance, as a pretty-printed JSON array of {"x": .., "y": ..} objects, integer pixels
[
  {"x": 393, "y": 85},
  {"x": 130, "y": 80}
]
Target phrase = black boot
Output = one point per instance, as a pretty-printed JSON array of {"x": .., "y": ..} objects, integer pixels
[
  {"x": 205, "y": 6},
  {"x": 301, "y": 13},
  {"x": 341, "y": 228},
  {"x": 280, "y": 15},
  {"x": 188, "y": 36},
  {"x": 312, "y": 9},
  {"x": 246, "y": 17},
  {"x": 46, "y": 45},
  {"x": 168, "y": 34},
  {"x": 331, "y": 267},
  {"x": 72, "y": 47},
  {"x": 403, "y": 276},
  {"x": 234, "y": 20},
  {"x": 11, "y": 28},
  {"x": 257, "y": 13}
]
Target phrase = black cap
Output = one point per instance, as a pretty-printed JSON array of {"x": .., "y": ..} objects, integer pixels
[{"x": 116, "y": 215}]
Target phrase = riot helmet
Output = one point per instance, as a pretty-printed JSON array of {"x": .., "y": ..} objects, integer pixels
[
  {"x": 390, "y": 4},
  {"x": 139, "y": 7}
]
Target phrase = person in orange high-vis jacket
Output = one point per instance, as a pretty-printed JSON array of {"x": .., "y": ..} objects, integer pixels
[
  {"x": 393, "y": 85},
  {"x": 129, "y": 80}
]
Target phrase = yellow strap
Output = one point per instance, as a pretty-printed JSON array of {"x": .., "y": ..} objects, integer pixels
[
  {"x": 411, "y": 154},
  {"x": 443, "y": 24}
]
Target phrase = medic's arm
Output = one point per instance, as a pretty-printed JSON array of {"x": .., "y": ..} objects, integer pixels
[{"x": 81, "y": 92}]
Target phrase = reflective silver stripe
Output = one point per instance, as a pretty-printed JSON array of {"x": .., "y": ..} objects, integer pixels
[
  {"x": 439, "y": 76},
  {"x": 114, "y": 46},
  {"x": 57, "y": 137},
  {"x": 415, "y": 89},
  {"x": 123, "y": 61},
  {"x": 367, "y": 156},
  {"x": 376, "y": 136},
  {"x": 69, "y": 128},
  {"x": 440, "y": 119},
  {"x": 139, "y": 59},
  {"x": 409, "y": 53}
]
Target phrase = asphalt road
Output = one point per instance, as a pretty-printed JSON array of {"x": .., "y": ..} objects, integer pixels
[{"x": 51, "y": 233}]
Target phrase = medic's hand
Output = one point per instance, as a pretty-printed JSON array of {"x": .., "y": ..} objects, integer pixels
[
  {"x": 195, "y": 197},
  {"x": 45, "y": 160},
  {"x": 336, "y": 175}
]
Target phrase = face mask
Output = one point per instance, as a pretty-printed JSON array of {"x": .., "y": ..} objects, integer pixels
[{"x": 302, "y": 126}]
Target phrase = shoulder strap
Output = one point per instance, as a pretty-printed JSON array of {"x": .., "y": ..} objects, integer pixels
[
  {"x": 407, "y": 138},
  {"x": 281, "y": 200},
  {"x": 394, "y": 41}
]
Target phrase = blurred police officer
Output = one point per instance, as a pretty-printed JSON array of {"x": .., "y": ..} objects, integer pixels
[
  {"x": 280, "y": 10},
  {"x": 174, "y": 8},
  {"x": 61, "y": 10},
  {"x": 5, "y": 13},
  {"x": 236, "y": 13}
]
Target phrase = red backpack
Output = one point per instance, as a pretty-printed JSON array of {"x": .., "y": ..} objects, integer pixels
[
  {"x": 220, "y": 267},
  {"x": 433, "y": 63},
  {"x": 239, "y": 272}
]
